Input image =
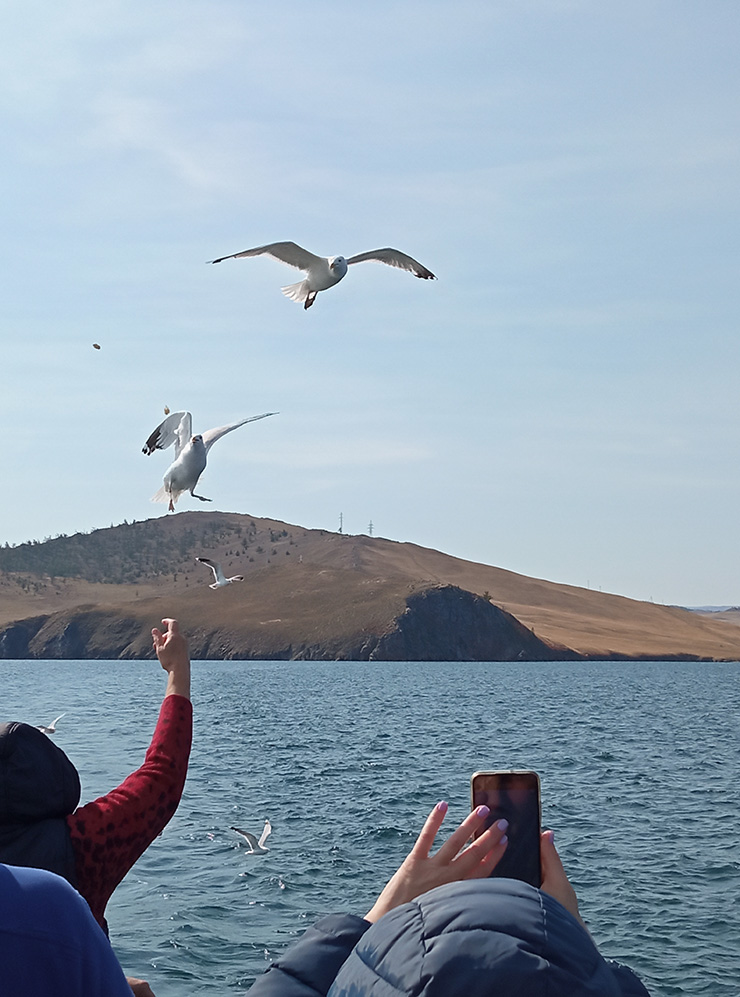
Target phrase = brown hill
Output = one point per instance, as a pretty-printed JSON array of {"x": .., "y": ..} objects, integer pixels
[
  {"x": 315, "y": 594},
  {"x": 728, "y": 615}
]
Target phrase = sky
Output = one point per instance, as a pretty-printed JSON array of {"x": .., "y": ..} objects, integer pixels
[{"x": 562, "y": 402}]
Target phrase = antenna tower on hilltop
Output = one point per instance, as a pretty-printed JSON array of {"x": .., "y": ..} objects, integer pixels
[{"x": 341, "y": 521}]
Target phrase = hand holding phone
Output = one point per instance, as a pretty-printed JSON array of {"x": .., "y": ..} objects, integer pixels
[{"x": 514, "y": 796}]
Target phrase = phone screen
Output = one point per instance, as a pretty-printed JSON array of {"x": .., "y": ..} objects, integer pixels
[{"x": 515, "y": 796}]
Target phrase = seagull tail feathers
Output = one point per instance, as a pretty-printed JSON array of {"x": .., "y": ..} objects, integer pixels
[
  {"x": 164, "y": 496},
  {"x": 296, "y": 292}
]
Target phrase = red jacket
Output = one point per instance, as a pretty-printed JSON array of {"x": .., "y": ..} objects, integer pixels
[{"x": 109, "y": 834}]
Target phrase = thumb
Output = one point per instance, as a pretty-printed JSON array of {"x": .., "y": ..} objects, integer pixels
[
  {"x": 554, "y": 878},
  {"x": 552, "y": 867}
]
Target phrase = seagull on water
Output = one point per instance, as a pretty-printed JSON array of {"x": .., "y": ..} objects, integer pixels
[
  {"x": 52, "y": 728},
  {"x": 256, "y": 847},
  {"x": 323, "y": 272},
  {"x": 190, "y": 453},
  {"x": 218, "y": 574}
]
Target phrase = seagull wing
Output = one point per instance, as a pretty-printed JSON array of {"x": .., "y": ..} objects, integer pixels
[
  {"x": 394, "y": 258},
  {"x": 251, "y": 840},
  {"x": 210, "y": 437},
  {"x": 266, "y": 831},
  {"x": 54, "y": 721},
  {"x": 176, "y": 428},
  {"x": 215, "y": 568},
  {"x": 286, "y": 252}
]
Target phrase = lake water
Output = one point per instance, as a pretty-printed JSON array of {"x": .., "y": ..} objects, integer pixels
[{"x": 640, "y": 768}]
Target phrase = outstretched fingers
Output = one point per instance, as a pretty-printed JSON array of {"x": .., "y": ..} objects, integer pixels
[
  {"x": 159, "y": 639},
  {"x": 481, "y": 857},
  {"x": 457, "y": 839},
  {"x": 476, "y": 860},
  {"x": 420, "y": 871},
  {"x": 428, "y": 833}
]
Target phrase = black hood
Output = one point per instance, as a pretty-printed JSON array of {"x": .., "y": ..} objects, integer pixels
[{"x": 37, "y": 780}]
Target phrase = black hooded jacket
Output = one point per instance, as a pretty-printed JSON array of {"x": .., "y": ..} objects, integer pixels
[{"x": 39, "y": 789}]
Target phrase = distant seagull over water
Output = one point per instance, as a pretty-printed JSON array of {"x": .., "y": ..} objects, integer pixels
[
  {"x": 52, "y": 728},
  {"x": 218, "y": 574},
  {"x": 190, "y": 453},
  {"x": 324, "y": 272},
  {"x": 256, "y": 847}
]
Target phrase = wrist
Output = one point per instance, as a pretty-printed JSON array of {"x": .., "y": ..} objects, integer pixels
[{"x": 178, "y": 682}]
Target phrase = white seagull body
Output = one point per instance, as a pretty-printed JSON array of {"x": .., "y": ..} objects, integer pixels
[
  {"x": 324, "y": 272},
  {"x": 52, "y": 728},
  {"x": 190, "y": 453},
  {"x": 220, "y": 577},
  {"x": 256, "y": 847}
]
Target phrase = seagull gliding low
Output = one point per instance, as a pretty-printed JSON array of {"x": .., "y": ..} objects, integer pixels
[
  {"x": 52, "y": 728},
  {"x": 323, "y": 272},
  {"x": 256, "y": 847}
]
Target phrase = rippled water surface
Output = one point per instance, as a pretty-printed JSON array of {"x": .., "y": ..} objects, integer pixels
[{"x": 640, "y": 767}]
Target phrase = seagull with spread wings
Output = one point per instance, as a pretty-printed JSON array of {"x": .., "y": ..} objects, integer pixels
[
  {"x": 190, "y": 453},
  {"x": 218, "y": 574},
  {"x": 256, "y": 847},
  {"x": 324, "y": 272}
]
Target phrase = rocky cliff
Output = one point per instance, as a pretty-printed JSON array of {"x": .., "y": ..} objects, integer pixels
[{"x": 443, "y": 623}]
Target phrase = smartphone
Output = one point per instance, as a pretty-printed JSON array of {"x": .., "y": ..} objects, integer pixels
[{"x": 515, "y": 796}]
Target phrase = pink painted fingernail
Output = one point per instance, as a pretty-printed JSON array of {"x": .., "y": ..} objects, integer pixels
[
  {"x": 442, "y": 806},
  {"x": 504, "y": 840},
  {"x": 483, "y": 811},
  {"x": 502, "y": 824}
]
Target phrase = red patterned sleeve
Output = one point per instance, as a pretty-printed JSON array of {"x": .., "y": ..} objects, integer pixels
[{"x": 109, "y": 834}]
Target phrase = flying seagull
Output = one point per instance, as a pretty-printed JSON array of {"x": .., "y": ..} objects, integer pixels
[
  {"x": 52, "y": 728},
  {"x": 218, "y": 574},
  {"x": 190, "y": 453},
  {"x": 323, "y": 272},
  {"x": 256, "y": 847}
]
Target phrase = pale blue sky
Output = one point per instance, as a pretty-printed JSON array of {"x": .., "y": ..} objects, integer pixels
[{"x": 562, "y": 402}]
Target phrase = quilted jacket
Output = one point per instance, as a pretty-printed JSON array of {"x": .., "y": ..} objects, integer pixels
[{"x": 479, "y": 938}]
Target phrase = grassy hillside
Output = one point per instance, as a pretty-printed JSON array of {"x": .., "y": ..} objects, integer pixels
[{"x": 302, "y": 584}]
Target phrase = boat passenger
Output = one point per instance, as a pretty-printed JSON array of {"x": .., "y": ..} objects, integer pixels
[
  {"x": 49, "y": 941},
  {"x": 442, "y": 928},
  {"x": 95, "y": 845}
]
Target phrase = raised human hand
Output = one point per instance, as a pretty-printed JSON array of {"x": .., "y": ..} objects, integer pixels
[
  {"x": 172, "y": 650},
  {"x": 421, "y": 871}
]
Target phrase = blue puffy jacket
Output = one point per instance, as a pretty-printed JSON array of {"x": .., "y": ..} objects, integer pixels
[
  {"x": 50, "y": 945},
  {"x": 479, "y": 938}
]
